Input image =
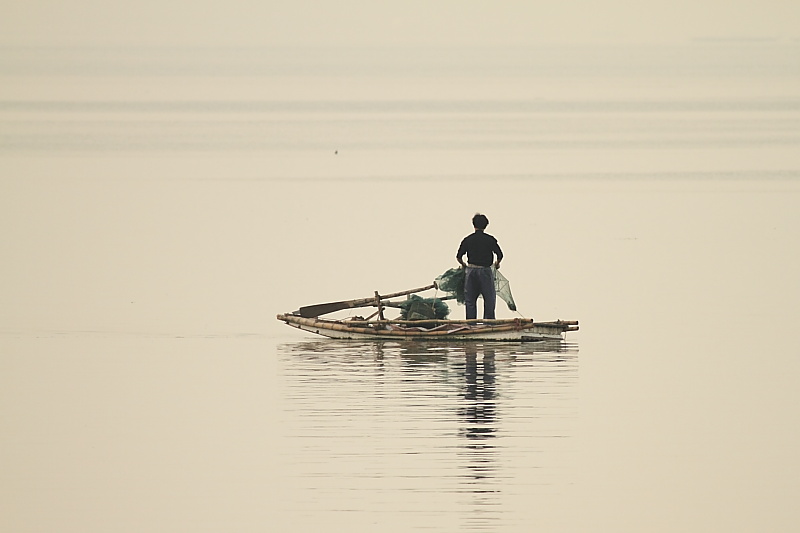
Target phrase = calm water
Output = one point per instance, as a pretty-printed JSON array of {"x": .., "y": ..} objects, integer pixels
[
  {"x": 158, "y": 207},
  {"x": 374, "y": 430}
]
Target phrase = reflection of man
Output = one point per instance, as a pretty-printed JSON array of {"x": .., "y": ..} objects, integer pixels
[
  {"x": 479, "y": 391},
  {"x": 481, "y": 250}
]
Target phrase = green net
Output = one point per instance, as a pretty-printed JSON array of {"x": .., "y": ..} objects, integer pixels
[
  {"x": 452, "y": 282},
  {"x": 419, "y": 308},
  {"x": 503, "y": 289}
]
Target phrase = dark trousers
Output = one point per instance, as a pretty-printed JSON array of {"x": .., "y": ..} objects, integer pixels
[{"x": 479, "y": 281}]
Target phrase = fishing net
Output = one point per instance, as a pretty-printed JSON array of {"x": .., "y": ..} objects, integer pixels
[
  {"x": 503, "y": 289},
  {"x": 419, "y": 308},
  {"x": 452, "y": 282}
]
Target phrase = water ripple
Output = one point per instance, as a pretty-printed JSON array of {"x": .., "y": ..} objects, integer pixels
[{"x": 448, "y": 434}]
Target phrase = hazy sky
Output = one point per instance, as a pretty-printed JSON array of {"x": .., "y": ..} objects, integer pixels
[{"x": 407, "y": 22}]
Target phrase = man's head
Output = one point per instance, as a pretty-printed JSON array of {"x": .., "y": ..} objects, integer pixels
[{"x": 480, "y": 221}]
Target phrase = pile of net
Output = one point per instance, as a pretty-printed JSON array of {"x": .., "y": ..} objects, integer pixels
[
  {"x": 452, "y": 282},
  {"x": 419, "y": 308}
]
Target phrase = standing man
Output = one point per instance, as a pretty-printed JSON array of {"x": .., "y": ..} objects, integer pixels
[{"x": 481, "y": 249}]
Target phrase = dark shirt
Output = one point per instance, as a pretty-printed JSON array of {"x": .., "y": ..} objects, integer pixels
[{"x": 479, "y": 247}]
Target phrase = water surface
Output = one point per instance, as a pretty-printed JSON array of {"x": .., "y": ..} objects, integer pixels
[{"x": 158, "y": 208}]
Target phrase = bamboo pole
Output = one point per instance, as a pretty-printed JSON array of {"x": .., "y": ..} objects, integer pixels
[
  {"x": 379, "y": 306},
  {"x": 437, "y": 322},
  {"x": 311, "y": 311}
]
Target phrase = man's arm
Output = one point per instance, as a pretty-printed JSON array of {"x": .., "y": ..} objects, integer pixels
[
  {"x": 499, "y": 253},
  {"x": 460, "y": 255}
]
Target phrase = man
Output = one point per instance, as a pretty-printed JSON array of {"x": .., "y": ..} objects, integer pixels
[{"x": 481, "y": 250}]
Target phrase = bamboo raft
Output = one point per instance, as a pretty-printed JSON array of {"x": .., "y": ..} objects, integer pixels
[{"x": 376, "y": 326}]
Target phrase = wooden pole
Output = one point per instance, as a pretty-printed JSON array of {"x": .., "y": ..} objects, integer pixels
[
  {"x": 379, "y": 305},
  {"x": 311, "y": 311}
]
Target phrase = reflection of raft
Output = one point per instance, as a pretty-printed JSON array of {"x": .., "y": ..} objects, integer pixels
[{"x": 377, "y": 327}]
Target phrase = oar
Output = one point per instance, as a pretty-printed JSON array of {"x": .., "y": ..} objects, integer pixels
[
  {"x": 311, "y": 311},
  {"x": 400, "y": 303}
]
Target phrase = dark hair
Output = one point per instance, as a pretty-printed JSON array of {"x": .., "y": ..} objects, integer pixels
[{"x": 480, "y": 221}]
